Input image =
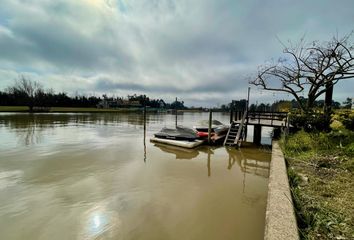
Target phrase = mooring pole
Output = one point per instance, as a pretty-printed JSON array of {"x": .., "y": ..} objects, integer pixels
[
  {"x": 176, "y": 111},
  {"x": 257, "y": 134},
  {"x": 247, "y": 108},
  {"x": 209, "y": 127},
  {"x": 208, "y": 165},
  {"x": 144, "y": 116},
  {"x": 231, "y": 115},
  {"x": 248, "y": 97}
]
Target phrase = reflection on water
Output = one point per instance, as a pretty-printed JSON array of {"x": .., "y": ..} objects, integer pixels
[
  {"x": 97, "y": 176},
  {"x": 247, "y": 160},
  {"x": 180, "y": 153},
  {"x": 99, "y": 222}
]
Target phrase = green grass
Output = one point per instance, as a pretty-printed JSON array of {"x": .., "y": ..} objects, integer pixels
[
  {"x": 321, "y": 175},
  {"x": 13, "y": 109}
]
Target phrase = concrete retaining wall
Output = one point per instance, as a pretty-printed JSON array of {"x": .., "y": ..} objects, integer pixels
[{"x": 280, "y": 217}]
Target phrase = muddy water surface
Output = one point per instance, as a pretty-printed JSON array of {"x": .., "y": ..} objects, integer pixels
[{"x": 92, "y": 176}]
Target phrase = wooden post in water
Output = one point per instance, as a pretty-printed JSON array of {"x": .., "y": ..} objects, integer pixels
[
  {"x": 209, "y": 127},
  {"x": 247, "y": 108},
  {"x": 176, "y": 111},
  {"x": 248, "y": 98},
  {"x": 231, "y": 115},
  {"x": 144, "y": 119},
  {"x": 257, "y": 134},
  {"x": 208, "y": 165}
]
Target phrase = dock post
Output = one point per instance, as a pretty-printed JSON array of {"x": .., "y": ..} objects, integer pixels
[
  {"x": 209, "y": 127},
  {"x": 246, "y": 125},
  {"x": 231, "y": 115},
  {"x": 144, "y": 119},
  {"x": 257, "y": 134},
  {"x": 176, "y": 109},
  {"x": 208, "y": 165}
]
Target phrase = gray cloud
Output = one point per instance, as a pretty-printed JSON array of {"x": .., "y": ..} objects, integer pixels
[
  {"x": 224, "y": 86},
  {"x": 200, "y": 50}
]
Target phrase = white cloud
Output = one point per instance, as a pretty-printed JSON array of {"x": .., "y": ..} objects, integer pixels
[{"x": 201, "y": 50}]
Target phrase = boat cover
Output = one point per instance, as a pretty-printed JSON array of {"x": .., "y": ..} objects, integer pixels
[
  {"x": 178, "y": 133},
  {"x": 216, "y": 126}
]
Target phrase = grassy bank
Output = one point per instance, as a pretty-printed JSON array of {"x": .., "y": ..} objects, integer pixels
[
  {"x": 71, "y": 110},
  {"x": 13, "y": 109},
  {"x": 321, "y": 175}
]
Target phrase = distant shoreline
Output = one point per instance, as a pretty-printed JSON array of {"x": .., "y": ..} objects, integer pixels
[{"x": 24, "y": 109}]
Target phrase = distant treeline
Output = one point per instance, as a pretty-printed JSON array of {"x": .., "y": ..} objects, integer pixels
[
  {"x": 26, "y": 92},
  {"x": 47, "y": 99},
  {"x": 51, "y": 99},
  {"x": 280, "y": 105}
]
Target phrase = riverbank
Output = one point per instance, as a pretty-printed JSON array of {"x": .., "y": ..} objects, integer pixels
[
  {"x": 73, "y": 109},
  {"x": 92, "y": 110},
  {"x": 280, "y": 218},
  {"x": 321, "y": 176}
]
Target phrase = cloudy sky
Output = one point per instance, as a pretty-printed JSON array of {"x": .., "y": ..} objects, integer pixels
[{"x": 201, "y": 51}]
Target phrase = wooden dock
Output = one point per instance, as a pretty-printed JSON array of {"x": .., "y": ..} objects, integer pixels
[
  {"x": 266, "y": 119},
  {"x": 278, "y": 120}
]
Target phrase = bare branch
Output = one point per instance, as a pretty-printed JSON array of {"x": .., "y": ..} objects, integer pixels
[{"x": 309, "y": 68}]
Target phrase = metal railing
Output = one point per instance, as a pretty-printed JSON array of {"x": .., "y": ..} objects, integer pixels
[
  {"x": 258, "y": 116},
  {"x": 240, "y": 129}
]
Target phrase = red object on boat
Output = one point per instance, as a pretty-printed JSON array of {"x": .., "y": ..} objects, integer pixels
[{"x": 203, "y": 134}]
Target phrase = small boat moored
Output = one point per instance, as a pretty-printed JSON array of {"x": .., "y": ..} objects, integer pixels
[
  {"x": 178, "y": 133},
  {"x": 179, "y": 136},
  {"x": 218, "y": 129},
  {"x": 178, "y": 143}
]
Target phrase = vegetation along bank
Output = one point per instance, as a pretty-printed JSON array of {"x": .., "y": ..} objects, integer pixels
[{"x": 321, "y": 175}]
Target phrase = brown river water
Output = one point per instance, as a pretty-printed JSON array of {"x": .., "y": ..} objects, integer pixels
[{"x": 95, "y": 176}]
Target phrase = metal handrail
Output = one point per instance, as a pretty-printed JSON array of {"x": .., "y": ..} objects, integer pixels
[
  {"x": 240, "y": 129},
  {"x": 258, "y": 116}
]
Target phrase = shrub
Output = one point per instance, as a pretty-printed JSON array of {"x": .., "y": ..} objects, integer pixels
[
  {"x": 299, "y": 142},
  {"x": 347, "y": 118},
  {"x": 349, "y": 149},
  {"x": 323, "y": 141},
  {"x": 341, "y": 137},
  {"x": 336, "y": 125},
  {"x": 310, "y": 122},
  {"x": 305, "y": 142}
]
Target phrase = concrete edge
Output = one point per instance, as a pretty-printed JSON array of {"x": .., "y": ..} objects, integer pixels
[{"x": 280, "y": 222}]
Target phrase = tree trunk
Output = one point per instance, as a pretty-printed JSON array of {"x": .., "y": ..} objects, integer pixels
[
  {"x": 310, "y": 101},
  {"x": 328, "y": 99}
]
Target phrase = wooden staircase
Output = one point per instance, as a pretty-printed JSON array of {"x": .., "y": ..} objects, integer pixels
[
  {"x": 236, "y": 132},
  {"x": 231, "y": 134}
]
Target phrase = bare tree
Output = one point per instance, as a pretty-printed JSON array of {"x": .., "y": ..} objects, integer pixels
[
  {"x": 309, "y": 69},
  {"x": 26, "y": 89}
]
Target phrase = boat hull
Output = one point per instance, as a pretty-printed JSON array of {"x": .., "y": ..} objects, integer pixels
[{"x": 179, "y": 143}]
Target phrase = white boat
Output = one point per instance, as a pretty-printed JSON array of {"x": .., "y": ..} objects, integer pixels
[
  {"x": 179, "y": 143},
  {"x": 178, "y": 133}
]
